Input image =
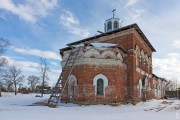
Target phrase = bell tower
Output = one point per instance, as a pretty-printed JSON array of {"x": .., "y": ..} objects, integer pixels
[{"x": 112, "y": 23}]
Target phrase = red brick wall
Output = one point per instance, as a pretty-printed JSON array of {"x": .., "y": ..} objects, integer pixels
[{"x": 86, "y": 91}]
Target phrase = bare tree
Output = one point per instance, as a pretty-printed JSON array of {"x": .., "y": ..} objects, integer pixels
[
  {"x": 4, "y": 44},
  {"x": 9, "y": 85},
  {"x": 46, "y": 83},
  {"x": 3, "y": 63},
  {"x": 33, "y": 81},
  {"x": 15, "y": 76},
  {"x": 44, "y": 73}
]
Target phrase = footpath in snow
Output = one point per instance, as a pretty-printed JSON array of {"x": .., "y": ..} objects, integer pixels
[{"x": 20, "y": 108}]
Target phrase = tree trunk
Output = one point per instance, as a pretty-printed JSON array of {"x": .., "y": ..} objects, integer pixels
[
  {"x": 8, "y": 88},
  {"x": 32, "y": 88},
  {"x": 42, "y": 91},
  {"x": 15, "y": 91}
]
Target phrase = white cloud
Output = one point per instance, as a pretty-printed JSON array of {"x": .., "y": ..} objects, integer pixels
[
  {"x": 168, "y": 67},
  {"x": 55, "y": 72},
  {"x": 39, "y": 53},
  {"x": 55, "y": 63},
  {"x": 68, "y": 18},
  {"x": 131, "y": 2},
  {"x": 31, "y": 10},
  {"x": 70, "y": 22},
  {"x": 176, "y": 44},
  {"x": 24, "y": 65},
  {"x": 135, "y": 14},
  {"x": 79, "y": 31}
]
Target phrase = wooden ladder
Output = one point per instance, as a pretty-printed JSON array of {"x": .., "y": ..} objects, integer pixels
[{"x": 58, "y": 90}]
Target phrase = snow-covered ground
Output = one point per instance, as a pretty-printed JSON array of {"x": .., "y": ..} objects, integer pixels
[{"x": 19, "y": 108}]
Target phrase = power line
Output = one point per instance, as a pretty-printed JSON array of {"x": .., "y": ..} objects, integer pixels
[
  {"x": 147, "y": 19},
  {"x": 163, "y": 19}
]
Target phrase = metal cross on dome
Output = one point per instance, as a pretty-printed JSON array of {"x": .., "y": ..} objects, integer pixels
[{"x": 113, "y": 12}]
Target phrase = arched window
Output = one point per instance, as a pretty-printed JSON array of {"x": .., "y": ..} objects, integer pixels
[
  {"x": 142, "y": 59},
  {"x": 72, "y": 82},
  {"x": 142, "y": 56},
  {"x": 109, "y": 25},
  {"x": 140, "y": 88},
  {"x": 137, "y": 55},
  {"x": 100, "y": 82},
  {"x": 100, "y": 87},
  {"x": 149, "y": 86},
  {"x": 116, "y": 24},
  {"x": 150, "y": 62}
]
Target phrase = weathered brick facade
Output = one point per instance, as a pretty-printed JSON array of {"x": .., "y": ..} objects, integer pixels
[{"x": 125, "y": 69}]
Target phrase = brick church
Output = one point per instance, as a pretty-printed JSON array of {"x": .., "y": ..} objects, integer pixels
[{"x": 112, "y": 67}]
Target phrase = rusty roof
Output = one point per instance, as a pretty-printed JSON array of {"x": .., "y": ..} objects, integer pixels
[{"x": 135, "y": 26}]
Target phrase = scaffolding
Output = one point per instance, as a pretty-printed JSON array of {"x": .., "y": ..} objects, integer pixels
[{"x": 58, "y": 90}]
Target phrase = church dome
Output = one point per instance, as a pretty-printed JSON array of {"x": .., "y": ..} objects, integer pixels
[{"x": 112, "y": 24}]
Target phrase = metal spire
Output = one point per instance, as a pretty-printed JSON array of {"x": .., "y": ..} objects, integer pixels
[{"x": 113, "y": 12}]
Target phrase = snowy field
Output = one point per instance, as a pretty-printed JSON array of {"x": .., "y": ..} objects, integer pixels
[{"x": 19, "y": 108}]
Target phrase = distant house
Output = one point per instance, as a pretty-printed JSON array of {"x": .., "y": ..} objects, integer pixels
[
  {"x": 46, "y": 89},
  {"x": 24, "y": 90}
]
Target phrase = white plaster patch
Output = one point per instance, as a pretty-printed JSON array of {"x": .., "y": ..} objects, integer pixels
[
  {"x": 65, "y": 56},
  {"x": 119, "y": 57},
  {"x": 138, "y": 70},
  {"x": 142, "y": 72},
  {"x": 92, "y": 53},
  {"x": 72, "y": 80},
  {"x": 108, "y": 53}
]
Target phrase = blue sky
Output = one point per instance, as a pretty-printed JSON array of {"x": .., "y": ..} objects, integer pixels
[{"x": 39, "y": 28}]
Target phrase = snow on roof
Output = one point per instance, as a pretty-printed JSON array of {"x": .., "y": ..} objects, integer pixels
[{"x": 103, "y": 44}]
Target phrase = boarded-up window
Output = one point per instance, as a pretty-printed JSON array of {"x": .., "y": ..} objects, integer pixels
[{"x": 100, "y": 87}]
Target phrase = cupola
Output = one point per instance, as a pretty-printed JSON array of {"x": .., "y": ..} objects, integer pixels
[{"x": 112, "y": 23}]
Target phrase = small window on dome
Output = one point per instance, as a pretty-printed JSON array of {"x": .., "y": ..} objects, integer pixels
[
  {"x": 109, "y": 25},
  {"x": 116, "y": 24}
]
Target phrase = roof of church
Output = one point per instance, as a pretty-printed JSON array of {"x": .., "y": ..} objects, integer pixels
[
  {"x": 112, "y": 18},
  {"x": 90, "y": 44},
  {"x": 114, "y": 31}
]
